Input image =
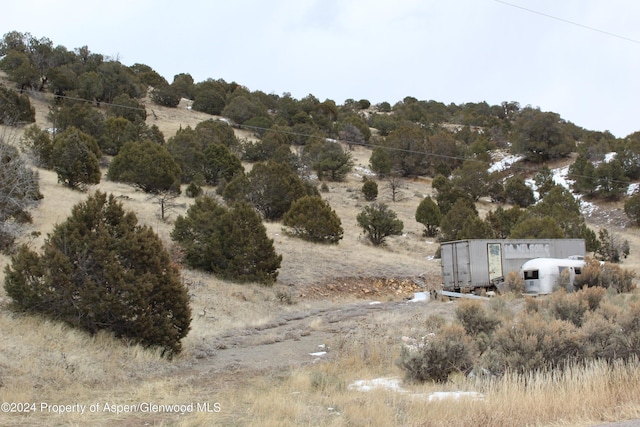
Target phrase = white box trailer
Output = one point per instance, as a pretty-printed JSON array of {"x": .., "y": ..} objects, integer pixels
[{"x": 476, "y": 264}]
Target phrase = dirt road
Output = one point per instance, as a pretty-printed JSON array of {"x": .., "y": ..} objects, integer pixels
[{"x": 296, "y": 338}]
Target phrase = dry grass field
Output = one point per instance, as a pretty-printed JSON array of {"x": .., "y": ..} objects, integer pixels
[{"x": 291, "y": 354}]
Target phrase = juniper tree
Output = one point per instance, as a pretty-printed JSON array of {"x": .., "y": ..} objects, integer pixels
[
  {"x": 231, "y": 243},
  {"x": 273, "y": 187},
  {"x": 100, "y": 270},
  {"x": 632, "y": 208},
  {"x": 378, "y": 222},
  {"x": 220, "y": 164},
  {"x": 370, "y": 190},
  {"x": 15, "y": 108},
  {"x": 311, "y": 218},
  {"x": 147, "y": 166},
  {"x": 75, "y": 158},
  {"x": 428, "y": 214}
]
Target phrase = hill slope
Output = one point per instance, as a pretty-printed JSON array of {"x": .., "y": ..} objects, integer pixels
[{"x": 243, "y": 337}]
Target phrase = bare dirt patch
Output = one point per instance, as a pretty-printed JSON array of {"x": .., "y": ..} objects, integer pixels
[{"x": 292, "y": 339}]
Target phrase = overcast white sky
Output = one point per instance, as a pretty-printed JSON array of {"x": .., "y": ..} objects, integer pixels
[{"x": 445, "y": 50}]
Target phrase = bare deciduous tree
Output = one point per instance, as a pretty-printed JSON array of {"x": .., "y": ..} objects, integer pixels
[
  {"x": 351, "y": 135},
  {"x": 19, "y": 191},
  {"x": 394, "y": 184},
  {"x": 167, "y": 201}
]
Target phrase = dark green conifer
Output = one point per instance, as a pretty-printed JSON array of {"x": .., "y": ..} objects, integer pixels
[{"x": 100, "y": 270}]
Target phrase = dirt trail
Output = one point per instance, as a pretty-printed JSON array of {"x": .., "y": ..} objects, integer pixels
[{"x": 292, "y": 339}]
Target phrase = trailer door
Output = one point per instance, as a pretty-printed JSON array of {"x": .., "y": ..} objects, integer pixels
[
  {"x": 462, "y": 263},
  {"x": 494, "y": 258}
]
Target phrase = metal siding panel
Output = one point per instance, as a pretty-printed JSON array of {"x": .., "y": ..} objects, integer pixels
[
  {"x": 463, "y": 256},
  {"x": 447, "y": 263},
  {"x": 480, "y": 263}
]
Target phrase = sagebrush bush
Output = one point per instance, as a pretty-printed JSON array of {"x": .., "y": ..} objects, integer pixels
[
  {"x": 629, "y": 326},
  {"x": 532, "y": 305},
  {"x": 612, "y": 332},
  {"x": 602, "y": 337},
  {"x": 618, "y": 278},
  {"x": 534, "y": 343},
  {"x": 514, "y": 283},
  {"x": 475, "y": 319},
  {"x": 592, "y": 296},
  {"x": 606, "y": 275},
  {"x": 550, "y": 333},
  {"x": 449, "y": 350},
  {"x": 569, "y": 307}
]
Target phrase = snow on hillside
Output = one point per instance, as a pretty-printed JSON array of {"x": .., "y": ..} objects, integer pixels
[
  {"x": 503, "y": 162},
  {"x": 560, "y": 177}
]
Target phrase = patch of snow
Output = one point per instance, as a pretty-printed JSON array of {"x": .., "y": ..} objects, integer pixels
[
  {"x": 51, "y": 131},
  {"x": 392, "y": 384},
  {"x": 455, "y": 395},
  {"x": 420, "y": 296},
  {"x": 587, "y": 208},
  {"x": 363, "y": 171},
  {"x": 504, "y": 163},
  {"x": 431, "y": 258},
  {"x": 532, "y": 184},
  {"x": 318, "y": 353},
  {"x": 375, "y": 303},
  {"x": 560, "y": 177},
  {"x": 609, "y": 156},
  {"x": 633, "y": 188}
]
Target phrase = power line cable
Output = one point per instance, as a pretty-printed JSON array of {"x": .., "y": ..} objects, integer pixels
[
  {"x": 546, "y": 15},
  {"x": 348, "y": 142},
  {"x": 109, "y": 104},
  {"x": 516, "y": 168}
]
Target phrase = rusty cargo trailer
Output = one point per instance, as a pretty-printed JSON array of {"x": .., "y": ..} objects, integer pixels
[{"x": 477, "y": 264}]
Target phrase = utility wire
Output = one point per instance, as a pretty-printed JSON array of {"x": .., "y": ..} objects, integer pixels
[
  {"x": 516, "y": 168},
  {"x": 362, "y": 144},
  {"x": 35, "y": 92},
  {"x": 568, "y": 21}
]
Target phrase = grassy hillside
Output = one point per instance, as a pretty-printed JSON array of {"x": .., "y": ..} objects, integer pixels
[{"x": 254, "y": 351}]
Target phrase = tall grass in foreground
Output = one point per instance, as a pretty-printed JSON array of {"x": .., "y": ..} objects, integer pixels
[
  {"x": 580, "y": 395},
  {"x": 84, "y": 369}
]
